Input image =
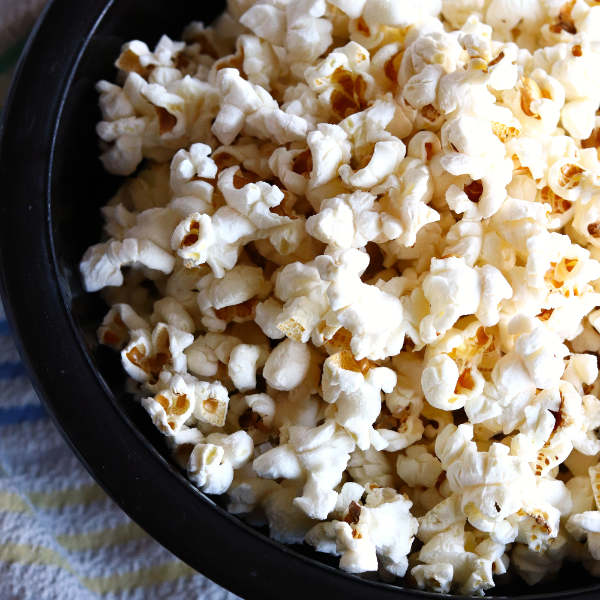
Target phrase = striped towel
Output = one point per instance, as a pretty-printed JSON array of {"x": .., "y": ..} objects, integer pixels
[{"x": 61, "y": 537}]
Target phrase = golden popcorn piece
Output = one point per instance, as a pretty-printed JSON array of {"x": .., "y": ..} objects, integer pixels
[
  {"x": 505, "y": 133},
  {"x": 559, "y": 205},
  {"x": 530, "y": 92},
  {"x": 565, "y": 20}
]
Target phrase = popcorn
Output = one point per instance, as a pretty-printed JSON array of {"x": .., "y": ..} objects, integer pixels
[
  {"x": 366, "y": 311},
  {"x": 342, "y": 80},
  {"x": 362, "y": 261},
  {"x": 364, "y": 538},
  {"x": 479, "y": 292},
  {"x": 418, "y": 467},
  {"x": 185, "y": 396},
  {"x": 117, "y": 325},
  {"x": 288, "y": 524},
  {"x": 266, "y": 21},
  {"x": 287, "y": 365},
  {"x": 370, "y": 467},
  {"x": 232, "y": 297},
  {"x": 215, "y": 240},
  {"x": 101, "y": 264},
  {"x": 304, "y": 293},
  {"x": 191, "y": 174},
  {"x": 446, "y": 559},
  {"x": 308, "y": 33},
  {"x": 244, "y": 361},
  {"x": 211, "y": 464},
  {"x": 208, "y": 354},
  {"x": 352, "y": 220},
  {"x": 329, "y": 148},
  {"x": 251, "y": 107},
  {"x": 377, "y": 152},
  {"x": 492, "y": 485},
  {"x": 257, "y": 416},
  {"x": 148, "y": 354},
  {"x": 354, "y": 388},
  {"x": 586, "y": 526},
  {"x": 320, "y": 452},
  {"x": 168, "y": 310}
]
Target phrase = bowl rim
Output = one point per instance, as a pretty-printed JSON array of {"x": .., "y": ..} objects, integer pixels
[{"x": 54, "y": 353}]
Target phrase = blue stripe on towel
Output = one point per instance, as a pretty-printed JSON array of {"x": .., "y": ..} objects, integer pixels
[
  {"x": 11, "y": 370},
  {"x": 5, "y": 328},
  {"x": 20, "y": 414}
]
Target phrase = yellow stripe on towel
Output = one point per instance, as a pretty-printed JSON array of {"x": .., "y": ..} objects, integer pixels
[
  {"x": 154, "y": 575},
  {"x": 141, "y": 578},
  {"x": 58, "y": 498},
  {"x": 10, "y": 502},
  {"x": 97, "y": 539},
  {"x": 25, "y": 553}
]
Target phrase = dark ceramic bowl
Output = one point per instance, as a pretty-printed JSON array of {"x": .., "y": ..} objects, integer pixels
[{"x": 52, "y": 188}]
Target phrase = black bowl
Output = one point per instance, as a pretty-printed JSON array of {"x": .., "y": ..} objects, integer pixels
[{"x": 53, "y": 186}]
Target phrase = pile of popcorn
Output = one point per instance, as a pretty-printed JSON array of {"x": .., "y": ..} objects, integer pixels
[{"x": 355, "y": 276}]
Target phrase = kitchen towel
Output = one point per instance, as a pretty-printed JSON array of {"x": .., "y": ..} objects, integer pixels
[{"x": 61, "y": 537}]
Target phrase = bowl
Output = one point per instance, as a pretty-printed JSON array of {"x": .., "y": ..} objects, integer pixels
[{"x": 53, "y": 188}]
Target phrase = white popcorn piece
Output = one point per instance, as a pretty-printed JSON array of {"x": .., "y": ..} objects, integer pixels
[
  {"x": 244, "y": 361},
  {"x": 308, "y": 33},
  {"x": 168, "y": 310},
  {"x": 287, "y": 522},
  {"x": 322, "y": 453},
  {"x": 346, "y": 221},
  {"x": 292, "y": 167},
  {"x": 148, "y": 354},
  {"x": 417, "y": 467},
  {"x": 215, "y": 240},
  {"x": 232, "y": 297},
  {"x": 376, "y": 533},
  {"x": 256, "y": 201},
  {"x": 259, "y": 415},
  {"x": 342, "y": 80},
  {"x": 376, "y": 151},
  {"x": 446, "y": 561},
  {"x": 586, "y": 526},
  {"x": 208, "y": 354},
  {"x": 154, "y": 225},
  {"x": 184, "y": 396},
  {"x": 251, "y": 107},
  {"x": 354, "y": 389},
  {"x": 191, "y": 175},
  {"x": 352, "y": 220},
  {"x": 533, "y": 566},
  {"x": 454, "y": 289},
  {"x": 172, "y": 407},
  {"x": 212, "y": 463},
  {"x": 330, "y": 148},
  {"x": 101, "y": 264},
  {"x": 267, "y": 22},
  {"x": 371, "y": 468},
  {"x": 370, "y": 313},
  {"x": 399, "y": 423},
  {"x": 492, "y": 485},
  {"x": 247, "y": 491},
  {"x": 266, "y": 316},
  {"x": 304, "y": 293},
  {"x": 287, "y": 365},
  {"x": 457, "y": 368},
  {"x": 118, "y": 324}
]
